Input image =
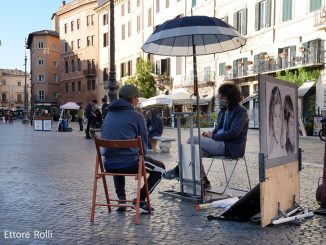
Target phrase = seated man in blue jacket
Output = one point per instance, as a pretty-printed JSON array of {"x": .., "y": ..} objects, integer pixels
[
  {"x": 229, "y": 136},
  {"x": 124, "y": 122}
]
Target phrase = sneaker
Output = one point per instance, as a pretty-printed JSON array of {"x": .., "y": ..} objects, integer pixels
[
  {"x": 171, "y": 174},
  {"x": 206, "y": 183},
  {"x": 143, "y": 207}
]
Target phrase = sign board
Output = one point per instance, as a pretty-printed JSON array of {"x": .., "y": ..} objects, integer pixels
[
  {"x": 38, "y": 125},
  {"x": 47, "y": 125},
  {"x": 279, "y": 142}
]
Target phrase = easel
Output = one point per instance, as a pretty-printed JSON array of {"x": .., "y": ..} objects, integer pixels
[{"x": 190, "y": 188}]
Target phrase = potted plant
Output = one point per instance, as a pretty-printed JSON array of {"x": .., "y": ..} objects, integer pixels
[
  {"x": 249, "y": 62},
  {"x": 228, "y": 67},
  {"x": 301, "y": 49}
]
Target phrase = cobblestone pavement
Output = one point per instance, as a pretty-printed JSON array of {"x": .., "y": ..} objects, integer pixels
[{"x": 46, "y": 184}]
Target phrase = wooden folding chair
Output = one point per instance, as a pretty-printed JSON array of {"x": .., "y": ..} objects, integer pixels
[{"x": 100, "y": 174}]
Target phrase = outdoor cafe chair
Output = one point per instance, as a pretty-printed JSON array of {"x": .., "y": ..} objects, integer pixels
[{"x": 101, "y": 174}]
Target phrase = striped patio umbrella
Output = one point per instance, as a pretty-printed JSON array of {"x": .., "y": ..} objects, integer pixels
[{"x": 192, "y": 36}]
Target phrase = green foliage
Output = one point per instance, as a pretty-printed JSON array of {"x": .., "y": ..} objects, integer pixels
[
  {"x": 298, "y": 76},
  {"x": 143, "y": 79}
]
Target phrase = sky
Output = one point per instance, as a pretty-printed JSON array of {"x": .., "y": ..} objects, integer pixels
[{"x": 18, "y": 19}]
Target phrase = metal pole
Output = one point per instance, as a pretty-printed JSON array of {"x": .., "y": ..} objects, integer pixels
[
  {"x": 25, "y": 118},
  {"x": 323, "y": 188},
  {"x": 112, "y": 78},
  {"x": 198, "y": 115}
]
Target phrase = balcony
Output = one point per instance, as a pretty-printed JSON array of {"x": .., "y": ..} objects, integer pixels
[
  {"x": 203, "y": 80},
  {"x": 310, "y": 57},
  {"x": 320, "y": 19},
  {"x": 91, "y": 72}
]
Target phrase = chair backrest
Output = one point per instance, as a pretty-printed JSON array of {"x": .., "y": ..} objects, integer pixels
[{"x": 119, "y": 144}]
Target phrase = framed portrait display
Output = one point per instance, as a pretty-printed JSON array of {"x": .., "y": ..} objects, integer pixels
[
  {"x": 47, "y": 125},
  {"x": 278, "y": 120},
  {"x": 38, "y": 125}
]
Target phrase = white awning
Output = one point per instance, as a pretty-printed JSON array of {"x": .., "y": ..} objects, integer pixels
[
  {"x": 156, "y": 101},
  {"x": 304, "y": 88}
]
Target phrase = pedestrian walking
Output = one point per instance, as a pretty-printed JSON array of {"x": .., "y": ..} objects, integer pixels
[{"x": 80, "y": 118}]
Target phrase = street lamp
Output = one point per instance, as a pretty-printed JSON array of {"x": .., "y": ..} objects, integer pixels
[
  {"x": 112, "y": 78},
  {"x": 25, "y": 118}
]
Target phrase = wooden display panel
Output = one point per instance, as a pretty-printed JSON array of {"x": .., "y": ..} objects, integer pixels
[{"x": 281, "y": 185}]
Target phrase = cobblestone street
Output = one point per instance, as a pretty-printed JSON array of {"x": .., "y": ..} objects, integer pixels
[{"x": 46, "y": 181}]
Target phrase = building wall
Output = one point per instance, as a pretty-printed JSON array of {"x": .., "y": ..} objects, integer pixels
[
  {"x": 12, "y": 83},
  {"x": 68, "y": 15},
  {"x": 45, "y": 62}
]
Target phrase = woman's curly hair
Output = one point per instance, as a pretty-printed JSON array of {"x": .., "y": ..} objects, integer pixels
[{"x": 232, "y": 92}]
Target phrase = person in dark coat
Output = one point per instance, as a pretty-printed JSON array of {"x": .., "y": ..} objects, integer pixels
[
  {"x": 154, "y": 125},
  {"x": 90, "y": 115}
]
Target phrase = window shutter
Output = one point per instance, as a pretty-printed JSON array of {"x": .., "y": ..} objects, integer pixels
[
  {"x": 257, "y": 16},
  {"x": 244, "y": 21},
  {"x": 235, "y": 20},
  {"x": 221, "y": 69},
  {"x": 168, "y": 66},
  {"x": 235, "y": 68},
  {"x": 268, "y": 12},
  {"x": 245, "y": 66},
  {"x": 292, "y": 55}
]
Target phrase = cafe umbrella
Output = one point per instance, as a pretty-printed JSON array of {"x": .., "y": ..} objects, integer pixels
[{"x": 192, "y": 36}]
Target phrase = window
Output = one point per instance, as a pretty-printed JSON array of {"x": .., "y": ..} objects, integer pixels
[
  {"x": 55, "y": 63},
  {"x": 78, "y": 64},
  {"x": 314, "y": 5},
  {"x": 67, "y": 87},
  {"x": 129, "y": 68},
  {"x": 240, "y": 21},
  {"x": 92, "y": 19},
  {"x": 19, "y": 83},
  {"x": 73, "y": 86},
  {"x": 4, "y": 82},
  {"x": 55, "y": 77},
  {"x": 167, "y": 3},
  {"x": 93, "y": 38},
  {"x": 66, "y": 66},
  {"x": 78, "y": 43},
  {"x": 138, "y": 2},
  {"x": 157, "y": 6},
  {"x": 221, "y": 69},
  {"x": 262, "y": 14},
  {"x": 194, "y": 3},
  {"x": 66, "y": 28},
  {"x": 88, "y": 18},
  {"x": 41, "y": 95},
  {"x": 129, "y": 6},
  {"x": 73, "y": 65},
  {"x": 66, "y": 47},
  {"x": 129, "y": 29},
  {"x": 149, "y": 17},
  {"x": 78, "y": 24},
  {"x": 4, "y": 97},
  {"x": 72, "y": 45},
  {"x": 122, "y": 10},
  {"x": 72, "y": 25},
  {"x": 19, "y": 98},
  {"x": 90, "y": 84},
  {"x": 286, "y": 10},
  {"x": 163, "y": 67},
  {"x": 41, "y": 62},
  {"x": 40, "y": 45},
  {"x": 54, "y": 45},
  {"x": 79, "y": 86},
  {"x": 105, "y": 39},
  {"x": 123, "y": 32},
  {"x": 41, "y": 78},
  {"x": 105, "y": 19},
  {"x": 122, "y": 70},
  {"x": 105, "y": 74},
  {"x": 138, "y": 23},
  {"x": 207, "y": 73},
  {"x": 88, "y": 41}
]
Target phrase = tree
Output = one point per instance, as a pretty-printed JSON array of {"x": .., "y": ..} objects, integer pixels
[{"x": 143, "y": 78}]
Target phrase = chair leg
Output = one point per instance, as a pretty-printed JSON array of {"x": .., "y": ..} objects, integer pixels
[
  {"x": 146, "y": 190},
  {"x": 245, "y": 160},
  {"x": 210, "y": 166},
  {"x": 105, "y": 189},
  {"x": 228, "y": 180},
  {"x": 140, "y": 169},
  {"x": 94, "y": 192}
]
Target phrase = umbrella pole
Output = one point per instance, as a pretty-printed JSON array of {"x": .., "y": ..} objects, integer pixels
[{"x": 198, "y": 119}]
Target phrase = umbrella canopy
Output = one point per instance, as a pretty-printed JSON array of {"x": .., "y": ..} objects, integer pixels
[
  {"x": 157, "y": 100},
  {"x": 70, "y": 106},
  {"x": 208, "y": 35}
]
